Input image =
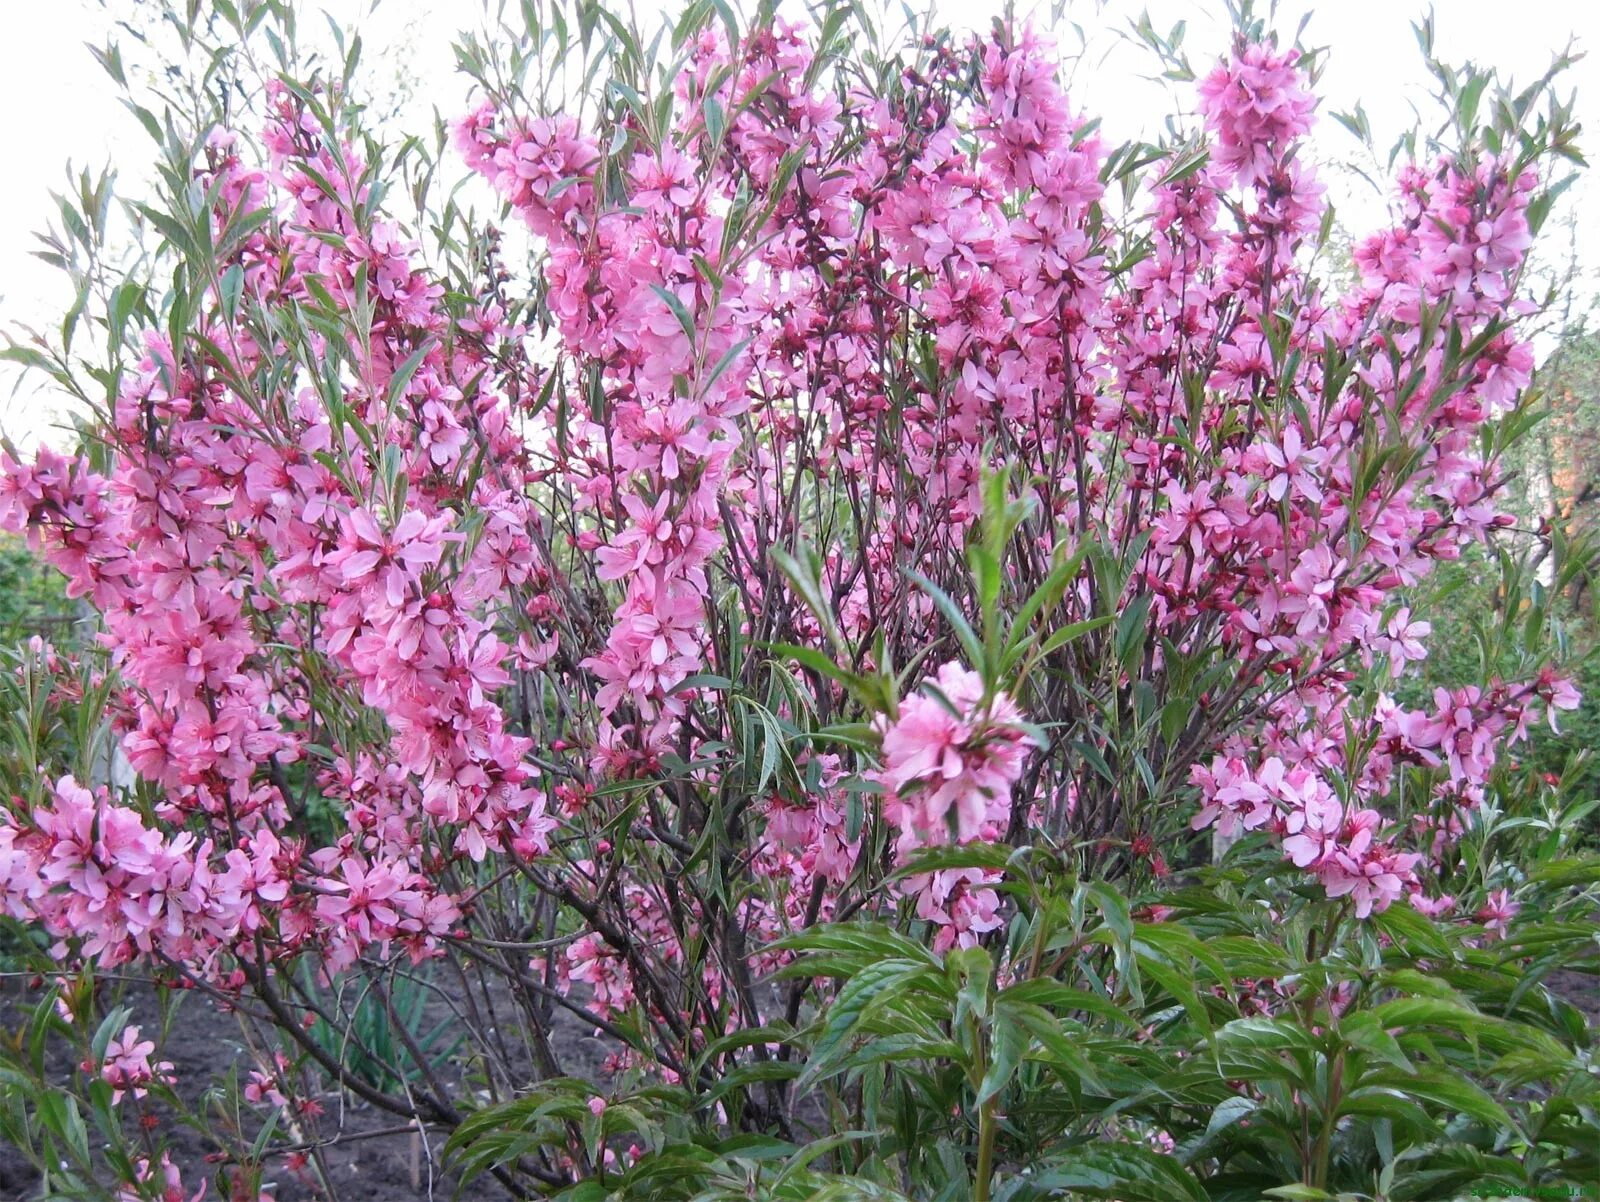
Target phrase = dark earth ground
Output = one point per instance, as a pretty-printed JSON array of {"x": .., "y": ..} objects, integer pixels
[{"x": 366, "y": 1160}]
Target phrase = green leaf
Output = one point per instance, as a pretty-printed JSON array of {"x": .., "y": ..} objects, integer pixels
[
  {"x": 1068, "y": 633},
  {"x": 1126, "y": 1172},
  {"x": 986, "y": 572},
  {"x": 994, "y": 857},
  {"x": 1008, "y": 1040},
  {"x": 1065, "y": 999},
  {"x": 1412, "y": 931},
  {"x": 870, "y": 940},
  {"x": 803, "y": 572},
  {"x": 810, "y": 657},
  {"x": 1228, "y": 1112},
  {"x": 869, "y": 988},
  {"x": 1113, "y": 907},
  {"x": 1408, "y": 1012},
  {"x": 953, "y": 615},
  {"x": 1131, "y": 624},
  {"x": 1265, "y": 1035},
  {"x": 682, "y": 314},
  {"x": 28, "y": 357},
  {"x": 728, "y": 356},
  {"x": 1064, "y": 1056},
  {"x": 1366, "y": 1031},
  {"x": 715, "y": 121},
  {"x": 402, "y": 376},
  {"x": 1442, "y": 1088}
]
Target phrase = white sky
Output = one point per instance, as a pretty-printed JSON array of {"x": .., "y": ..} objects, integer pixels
[{"x": 63, "y": 109}]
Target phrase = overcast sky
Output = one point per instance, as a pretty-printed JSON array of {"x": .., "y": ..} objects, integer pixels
[{"x": 62, "y": 108}]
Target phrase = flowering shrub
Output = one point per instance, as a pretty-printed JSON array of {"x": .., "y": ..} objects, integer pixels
[{"x": 885, "y": 515}]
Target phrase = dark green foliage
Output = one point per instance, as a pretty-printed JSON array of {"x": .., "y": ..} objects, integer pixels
[{"x": 33, "y": 599}]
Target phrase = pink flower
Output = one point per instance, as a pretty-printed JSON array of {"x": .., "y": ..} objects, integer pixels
[
  {"x": 1313, "y": 831},
  {"x": 1432, "y": 907},
  {"x": 959, "y": 905},
  {"x": 950, "y": 760},
  {"x": 393, "y": 560},
  {"x": 127, "y": 1068},
  {"x": 589, "y": 960},
  {"x": 1403, "y": 641},
  {"x": 1497, "y": 912},
  {"x": 170, "y": 1184},
  {"x": 1558, "y": 693},
  {"x": 1375, "y": 879},
  {"x": 1257, "y": 105}
]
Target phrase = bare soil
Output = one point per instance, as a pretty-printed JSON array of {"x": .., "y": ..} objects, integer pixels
[
  {"x": 366, "y": 1152},
  {"x": 1581, "y": 989}
]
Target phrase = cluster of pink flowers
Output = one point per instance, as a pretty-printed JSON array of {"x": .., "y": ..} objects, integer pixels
[
  {"x": 127, "y": 1067},
  {"x": 1341, "y": 847},
  {"x": 474, "y": 605},
  {"x": 1351, "y": 848},
  {"x": 164, "y": 1180},
  {"x": 951, "y": 758},
  {"x": 1257, "y": 105},
  {"x": 229, "y": 554}
]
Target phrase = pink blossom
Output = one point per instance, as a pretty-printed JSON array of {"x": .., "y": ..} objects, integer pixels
[
  {"x": 950, "y": 759},
  {"x": 1497, "y": 913},
  {"x": 127, "y": 1067}
]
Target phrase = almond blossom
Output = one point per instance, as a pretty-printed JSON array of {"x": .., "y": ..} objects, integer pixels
[{"x": 446, "y": 610}]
